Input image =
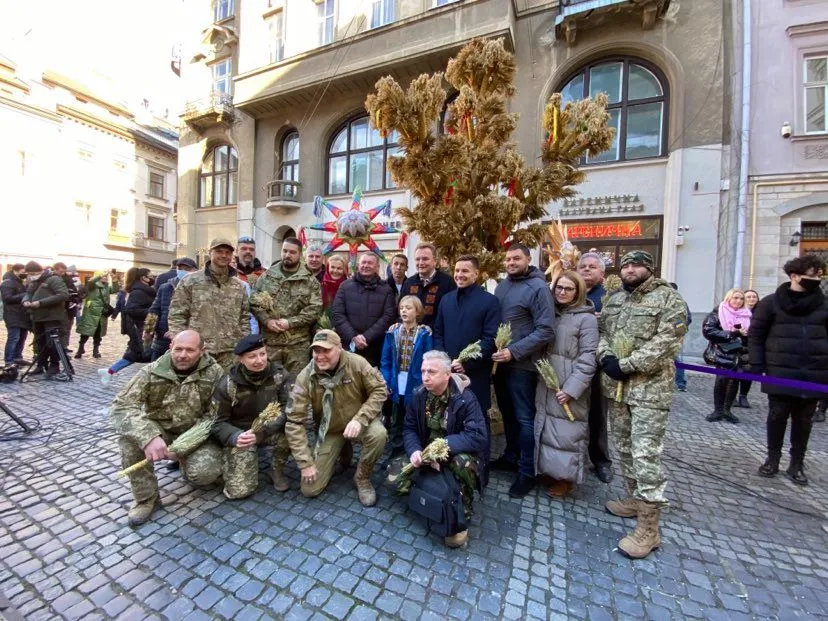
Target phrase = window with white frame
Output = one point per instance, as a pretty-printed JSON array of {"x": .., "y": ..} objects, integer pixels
[
  {"x": 222, "y": 9},
  {"x": 290, "y": 162},
  {"x": 276, "y": 36},
  {"x": 155, "y": 228},
  {"x": 382, "y": 13},
  {"x": 218, "y": 181},
  {"x": 358, "y": 157},
  {"x": 816, "y": 94},
  {"x": 156, "y": 185},
  {"x": 327, "y": 12},
  {"x": 222, "y": 73}
]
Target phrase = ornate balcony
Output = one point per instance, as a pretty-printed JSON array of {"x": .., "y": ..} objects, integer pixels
[
  {"x": 215, "y": 109},
  {"x": 577, "y": 14},
  {"x": 282, "y": 193}
]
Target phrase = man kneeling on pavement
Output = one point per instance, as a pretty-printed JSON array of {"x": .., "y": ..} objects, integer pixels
[
  {"x": 161, "y": 402},
  {"x": 241, "y": 395},
  {"x": 345, "y": 394}
]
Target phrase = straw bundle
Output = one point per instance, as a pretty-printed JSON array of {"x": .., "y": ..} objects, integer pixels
[
  {"x": 436, "y": 451},
  {"x": 622, "y": 347},
  {"x": 502, "y": 339},
  {"x": 470, "y": 352},
  {"x": 550, "y": 378},
  {"x": 182, "y": 446}
]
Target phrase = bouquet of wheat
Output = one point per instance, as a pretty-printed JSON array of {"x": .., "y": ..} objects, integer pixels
[
  {"x": 502, "y": 339},
  {"x": 550, "y": 378},
  {"x": 268, "y": 415},
  {"x": 470, "y": 352},
  {"x": 262, "y": 302},
  {"x": 612, "y": 283},
  {"x": 149, "y": 328},
  {"x": 435, "y": 451},
  {"x": 182, "y": 446},
  {"x": 622, "y": 347}
]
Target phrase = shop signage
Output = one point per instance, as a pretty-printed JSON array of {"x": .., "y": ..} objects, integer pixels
[
  {"x": 617, "y": 229},
  {"x": 596, "y": 205}
]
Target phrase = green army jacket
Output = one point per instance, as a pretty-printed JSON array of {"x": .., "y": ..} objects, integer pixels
[
  {"x": 359, "y": 397},
  {"x": 297, "y": 298},
  {"x": 655, "y": 317},
  {"x": 157, "y": 400}
]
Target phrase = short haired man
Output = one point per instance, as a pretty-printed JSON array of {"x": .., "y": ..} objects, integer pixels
[
  {"x": 591, "y": 268},
  {"x": 213, "y": 301},
  {"x": 429, "y": 284},
  {"x": 163, "y": 400},
  {"x": 160, "y": 308},
  {"x": 15, "y": 316},
  {"x": 788, "y": 339},
  {"x": 168, "y": 275},
  {"x": 45, "y": 299},
  {"x": 398, "y": 268},
  {"x": 345, "y": 395},
  {"x": 649, "y": 313},
  {"x": 240, "y": 396},
  {"x": 315, "y": 261},
  {"x": 295, "y": 307},
  {"x": 249, "y": 268},
  {"x": 526, "y": 304}
]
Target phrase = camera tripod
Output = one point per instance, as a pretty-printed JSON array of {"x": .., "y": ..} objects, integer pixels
[
  {"x": 16, "y": 418},
  {"x": 53, "y": 342}
]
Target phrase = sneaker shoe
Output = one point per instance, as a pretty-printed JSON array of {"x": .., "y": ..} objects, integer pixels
[{"x": 105, "y": 376}]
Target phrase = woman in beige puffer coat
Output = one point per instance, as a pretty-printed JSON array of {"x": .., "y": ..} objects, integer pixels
[{"x": 561, "y": 444}]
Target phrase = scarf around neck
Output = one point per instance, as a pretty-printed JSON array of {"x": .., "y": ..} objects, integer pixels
[
  {"x": 729, "y": 316},
  {"x": 328, "y": 383},
  {"x": 330, "y": 286}
]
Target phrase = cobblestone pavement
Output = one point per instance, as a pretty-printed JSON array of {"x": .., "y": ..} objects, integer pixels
[{"x": 727, "y": 553}]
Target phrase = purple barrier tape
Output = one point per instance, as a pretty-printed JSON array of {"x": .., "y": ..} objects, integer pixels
[{"x": 753, "y": 377}]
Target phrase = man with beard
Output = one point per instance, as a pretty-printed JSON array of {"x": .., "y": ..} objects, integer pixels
[
  {"x": 788, "y": 338},
  {"x": 249, "y": 268},
  {"x": 641, "y": 327},
  {"x": 213, "y": 302},
  {"x": 315, "y": 261},
  {"x": 295, "y": 306},
  {"x": 429, "y": 284},
  {"x": 363, "y": 310},
  {"x": 162, "y": 401}
]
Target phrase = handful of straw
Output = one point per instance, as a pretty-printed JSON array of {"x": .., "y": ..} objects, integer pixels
[
  {"x": 262, "y": 302},
  {"x": 622, "y": 347},
  {"x": 268, "y": 415},
  {"x": 149, "y": 328},
  {"x": 612, "y": 283},
  {"x": 183, "y": 445},
  {"x": 470, "y": 352},
  {"x": 436, "y": 451},
  {"x": 550, "y": 378},
  {"x": 502, "y": 339}
]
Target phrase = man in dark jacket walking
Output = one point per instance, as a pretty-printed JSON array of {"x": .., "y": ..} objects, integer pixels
[
  {"x": 167, "y": 276},
  {"x": 363, "y": 310},
  {"x": 160, "y": 308},
  {"x": 526, "y": 305},
  {"x": 429, "y": 284},
  {"x": 788, "y": 339},
  {"x": 16, "y": 318},
  {"x": 45, "y": 299}
]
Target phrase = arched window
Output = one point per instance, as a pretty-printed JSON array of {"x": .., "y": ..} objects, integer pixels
[
  {"x": 290, "y": 162},
  {"x": 358, "y": 156},
  {"x": 219, "y": 181},
  {"x": 637, "y": 95}
]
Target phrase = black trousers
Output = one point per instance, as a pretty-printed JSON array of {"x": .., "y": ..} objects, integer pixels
[
  {"x": 598, "y": 443},
  {"x": 724, "y": 393},
  {"x": 47, "y": 357},
  {"x": 744, "y": 387},
  {"x": 801, "y": 412}
]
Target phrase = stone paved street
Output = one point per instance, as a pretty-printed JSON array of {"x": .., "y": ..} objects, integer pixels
[{"x": 727, "y": 553}]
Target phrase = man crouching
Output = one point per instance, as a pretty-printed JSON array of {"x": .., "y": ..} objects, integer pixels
[
  {"x": 241, "y": 395},
  {"x": 161, "y": 402}
]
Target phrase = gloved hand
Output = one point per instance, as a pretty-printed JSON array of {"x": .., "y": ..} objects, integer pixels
[{"x": 611, "y": 366}]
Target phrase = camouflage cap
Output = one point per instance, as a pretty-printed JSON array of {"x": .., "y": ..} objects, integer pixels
[
  {"x": 638, "y": 257},
  {"x": 221, "y": 241},
  {"x": 327, "y": 339}
]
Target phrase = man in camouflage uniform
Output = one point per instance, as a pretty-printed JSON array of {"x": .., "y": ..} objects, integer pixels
[
  {"x": 241, "y": 395},
  {"x": 213, "y": 301},
  {"x": 651, "y": 317},
  {"x": 345, "y": 394},
  {"x": 162, "y": 401},
  {"x": 296, "y": 307}
]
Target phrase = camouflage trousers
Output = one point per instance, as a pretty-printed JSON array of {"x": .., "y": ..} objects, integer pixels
[
  {"x": 226, "y": 359},
  {"x": 293, "y": 357},
  {"x": 240, "y": 467},
  {"x": 202, "y": 467},
  {"x": 639, "y": 438}
]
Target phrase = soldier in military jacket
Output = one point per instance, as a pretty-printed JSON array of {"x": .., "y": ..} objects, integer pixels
[
  {"x": 213, "y": 302},
  {"x": 241, "y": 395},
  {"x": 162, "y": 401},
  {"x": 641, "y": 327},
  {"x": 297, "y": 306}
]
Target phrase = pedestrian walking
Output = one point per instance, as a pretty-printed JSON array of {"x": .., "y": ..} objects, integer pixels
[{"x": 96, "y": 312}]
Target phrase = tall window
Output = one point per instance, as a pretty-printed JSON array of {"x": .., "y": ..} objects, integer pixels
[
  {"x": 222, "y": 72},
  {"x": 276, "y": 36},
  {"x": 290, "y": 162},
  {"x": 219, "y": 178},
  {"x": 382, "y": 13},
  {"x": 113, "y": 219},
  {"x": 155, "y": 228},
  {"x": 636, "y": 93},
  {"x": 816, "y": 95},
  {"x": 327, "y": 11},
  {"x": 358, "y": 156},
  {"x": 223, "y": 9},
  {"x": 156, "y": 185}
]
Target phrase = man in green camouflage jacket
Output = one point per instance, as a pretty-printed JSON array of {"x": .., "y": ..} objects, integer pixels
[
  {"x": 642, "y": 326},
  {"x": 162, "y": 401},
  {"x": 296, "y": 307},
  {"x": 213, "y": 302}
]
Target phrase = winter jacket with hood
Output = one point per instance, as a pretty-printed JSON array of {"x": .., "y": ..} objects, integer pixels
[
  {"x": 526, "y": 304},
  {"x": 366, "y": 307},
  {"x": 391, "y": 360},
  {"x": 13, "y": 290},
  {"x": 788, "y": 338},
  {"x": 561, "y": 444},
  {"x": 97, "y": 296},
  {"x": 139, "y": 301},
  {"x": 51, "y": 292},
  {"x": 465, "y": 425}
]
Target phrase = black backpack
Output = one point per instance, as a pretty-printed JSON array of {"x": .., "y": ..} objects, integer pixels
[{"x": 435, "y": 496}]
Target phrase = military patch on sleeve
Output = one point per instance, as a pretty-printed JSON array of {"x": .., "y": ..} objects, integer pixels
[{"x": 680, "y": 328}]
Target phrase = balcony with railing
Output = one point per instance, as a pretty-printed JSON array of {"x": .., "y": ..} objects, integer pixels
[
  {"x": 215, "y": 109},
  {"x": 283, "y": 193},
  {"x": 577, "y": 14}
]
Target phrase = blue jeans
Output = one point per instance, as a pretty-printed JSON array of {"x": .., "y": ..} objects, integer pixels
[
  {"x": 515, "y": 391},
  {"x": 15, "y": 342},
  {"x": 681, "y": 381}
]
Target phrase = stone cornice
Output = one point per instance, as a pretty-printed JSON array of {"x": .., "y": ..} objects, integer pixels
[{"x": 798, "y": 30}]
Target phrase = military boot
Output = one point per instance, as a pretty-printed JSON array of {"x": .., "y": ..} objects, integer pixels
[
  {"x": 81, "y": 351},
  {"x": 457, "y": 540},
  {"x": 140, "y": 512},
  {"x": 280, "y": 481},
  {"x": 771, "y": 465},
  {"x": 362, "y": 480},
  {"x": 645, "y": 538},
  {"x": 96, "y": 350},
  {"x": 796, "y": 471},
  {"x": 627, "y": 506}
]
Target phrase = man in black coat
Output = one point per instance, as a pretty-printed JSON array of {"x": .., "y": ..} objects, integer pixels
[
  {"x": 788, "y": 338},
  {"x": 16, "y": 318},
  {"x": 45, "y": 299},
  {"x": 429, "y": 284},
  {"x": 363, "y": 310},
  {"x": 167, "y": 276}
]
